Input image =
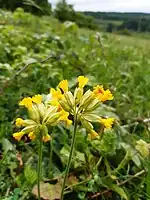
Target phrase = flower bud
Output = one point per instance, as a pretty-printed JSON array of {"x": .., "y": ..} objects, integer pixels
[
  {"x": 86, "y": 99},
  {"x": 78, "y": 93},
  {"x": 53, "y": 118},
  {"x": 91, "y": 117},
  {"x": 29, "y": 129},
  {"x": 87, "y": 125},
  {"x": 44, "y": 129},
  {"x": 51, "y": 110},
  {"x": 29, "y": 122},
  {"x": 65, "y": 106},
  {"x": 93, "y": 105},
  {"x": 34, "y": 113},
  {"x": 41, "y": 109},
  {"x": 69, "y": 98}
]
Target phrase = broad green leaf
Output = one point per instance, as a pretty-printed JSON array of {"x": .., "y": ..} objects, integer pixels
[{"x": 119, "y": 190}]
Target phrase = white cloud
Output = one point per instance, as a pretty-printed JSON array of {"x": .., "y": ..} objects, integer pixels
[{"x": 110, "y": 5}]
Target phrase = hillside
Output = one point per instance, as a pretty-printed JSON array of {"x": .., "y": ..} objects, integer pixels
[
  {"x": 115, "y": 21},
  {"x": 36, "y": 53},
  {"x": 120, "y": 16}
]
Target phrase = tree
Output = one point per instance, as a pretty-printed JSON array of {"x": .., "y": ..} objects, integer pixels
[
  {"x": 27, "y": 5},
  {"x": 109, "y": 27}
]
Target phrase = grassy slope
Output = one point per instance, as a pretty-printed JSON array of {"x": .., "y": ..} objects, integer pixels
[{"x": 123, "y": 63}]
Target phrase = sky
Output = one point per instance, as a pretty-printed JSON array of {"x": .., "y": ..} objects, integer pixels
[{"x": 110, "y": 5}]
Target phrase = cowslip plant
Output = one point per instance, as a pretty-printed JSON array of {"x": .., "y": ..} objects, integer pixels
[
  {"x": 41, "y": 116},
  {"x": 81, "y": 105}
]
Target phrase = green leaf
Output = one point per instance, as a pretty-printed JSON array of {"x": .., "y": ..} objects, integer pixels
[
  {"x": 30, "y": 175},
  {"x": 119, "y": 190},
  {"x": 6, "y": 145}
]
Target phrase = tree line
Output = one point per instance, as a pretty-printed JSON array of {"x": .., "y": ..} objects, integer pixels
[{"x": 139, "y": 22}]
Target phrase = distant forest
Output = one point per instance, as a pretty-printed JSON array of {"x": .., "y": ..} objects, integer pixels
[{"x": 130, "y": 21}]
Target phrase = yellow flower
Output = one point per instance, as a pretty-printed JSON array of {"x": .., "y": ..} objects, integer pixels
[
  {"x": 107, "y": 122},
  {"x": 19, "y": 122},
  {"x": 18, "y": 135},
  {"x": 82, "y": 81},
  {"x": 106, "y": 96},
  {"x": 54, "y": 102},
  {"x": 27, "y": 102},
  {"x": 37, "y": 99},
  {"x": 98, "y": 90},
  {"x": 46, "y": 138},
  {"x": 101, "y": 94},
  {"x": 56, "y": 94},
  {"x": 64, "y": 117},
  {"x": 68, "y": 122},
  {"x": 63, "y": 85},
  {"x": 92, "y": 135},
  {"x": 32, "y": 136}
]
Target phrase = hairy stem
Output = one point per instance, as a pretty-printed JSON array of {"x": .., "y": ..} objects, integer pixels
[
  {"x": 40, "y": 167},
  {"x": 70, "y": 157},
  {"x": 50, "y": 159}
]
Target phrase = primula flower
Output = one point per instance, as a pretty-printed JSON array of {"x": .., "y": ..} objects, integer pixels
[
  {"x": 81, "y": 106},
  {"x": 27, "y": 102},
  {"x": 18, "y": 135},
  {"x": 37, "y": 99},
  {"x": 32, "y": 136},
  {"x": 107, "y": 122},
  {"x": 82, "y": 81},
  {"x": 56, "y": 94},
  {"x": 92, "y": 135},
  {"x": 46, "y": 138},
  {"x": 101, "y": 94},
  {"x": 63, "y": 85},
  {"x": 64, "y": 117},
  {"x": 40, "y": 115},
  {"x": 19, "y": 122}
]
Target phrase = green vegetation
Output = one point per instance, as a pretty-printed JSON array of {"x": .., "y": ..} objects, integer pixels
[
  {"x": 38, "y": 7},
  {"x": 65, "y": 12},
  {"x": 36, "y": 53},
  {"x": 139, "y": 22}
]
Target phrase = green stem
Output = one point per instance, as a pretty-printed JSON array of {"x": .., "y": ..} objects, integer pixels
[
  {"x": 124, "y": 162},
  {"x": 3, "y": 158},
  {"x": 99, "y": 162},
  {"x": 70, "y": 156},
  {"x": 39, "y": 167},
  {"x": 50, "y": 158},
  {"x": 148, "y": 181}
]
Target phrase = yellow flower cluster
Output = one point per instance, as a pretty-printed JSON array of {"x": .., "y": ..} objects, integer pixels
[
  {"x": 80, "y": 105},
  {"x": 41, "y": 116}
]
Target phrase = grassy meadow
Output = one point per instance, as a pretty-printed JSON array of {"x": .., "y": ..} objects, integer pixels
[{"x": 120, "y": 63}]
